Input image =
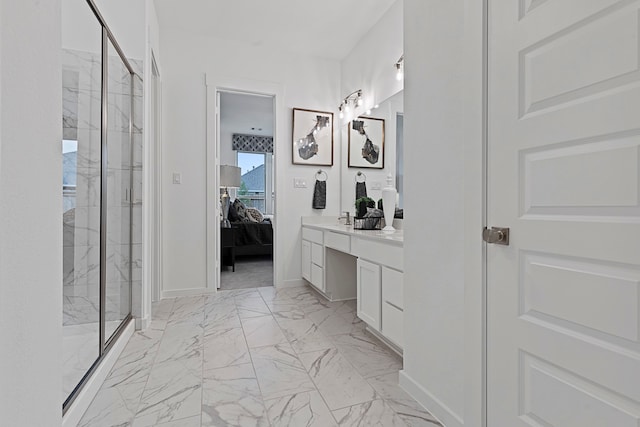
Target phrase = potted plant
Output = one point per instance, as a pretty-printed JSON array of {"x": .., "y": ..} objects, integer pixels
[{"x": 362, "y": 204}]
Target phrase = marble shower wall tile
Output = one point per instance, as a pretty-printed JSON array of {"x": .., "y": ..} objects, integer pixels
[
  {"x": 231, "y": 397},
  {"x": 301, "y": 409},
  {"x": 337, "y": 381}
]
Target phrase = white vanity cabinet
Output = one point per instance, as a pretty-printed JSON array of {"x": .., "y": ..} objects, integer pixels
[
  {"x": 313, "y": 257},
  {"x": 346, "y": 263},
  {"x": 392, "y": 323},
  {"x": 368, "y": 284}
]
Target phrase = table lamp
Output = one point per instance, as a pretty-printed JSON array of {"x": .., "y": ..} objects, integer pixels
[{"x": 229, "y": 177}]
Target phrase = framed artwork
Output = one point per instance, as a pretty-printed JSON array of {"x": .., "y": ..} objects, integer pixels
[
  {"x": 312, "y": 137},
  {"x": 366, "y": 143}
]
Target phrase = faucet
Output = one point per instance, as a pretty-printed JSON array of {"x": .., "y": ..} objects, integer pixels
[{"x": 348, "y": 219}]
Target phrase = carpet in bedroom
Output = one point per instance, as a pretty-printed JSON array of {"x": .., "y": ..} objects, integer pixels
[{"x": 251, "y": 272}]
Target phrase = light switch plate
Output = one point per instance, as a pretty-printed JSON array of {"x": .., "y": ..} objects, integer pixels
[
  {"x": 177, "y": 178},
  {"x": 299, "y": 183}
]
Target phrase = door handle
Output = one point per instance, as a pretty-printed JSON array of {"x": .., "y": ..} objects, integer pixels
[{"x": 496, "y": 235}]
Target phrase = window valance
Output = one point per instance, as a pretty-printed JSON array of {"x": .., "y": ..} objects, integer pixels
[{"x": 252, "y": 143}]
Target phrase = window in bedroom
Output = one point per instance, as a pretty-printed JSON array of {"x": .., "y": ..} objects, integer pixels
[{"x": 256, "y": 188}]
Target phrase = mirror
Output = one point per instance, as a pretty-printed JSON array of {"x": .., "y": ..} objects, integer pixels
[{"x": 391, "y": 111}]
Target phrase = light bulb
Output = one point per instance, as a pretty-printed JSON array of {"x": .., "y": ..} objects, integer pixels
[
  {"x": 376, "y": 106},
  {"x": 341, "y": 114},
  {"x": 368, "y": 112},
  {"x": 346, "y": 108},
  {"x": 359, "y": 101}
]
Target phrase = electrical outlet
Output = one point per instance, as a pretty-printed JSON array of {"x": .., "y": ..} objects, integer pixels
[
  {"x": 177, "y": 178},
  {"x": 299, "y": 183}
]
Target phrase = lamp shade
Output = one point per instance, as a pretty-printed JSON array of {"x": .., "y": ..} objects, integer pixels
[{"x": 229, "y": 176}]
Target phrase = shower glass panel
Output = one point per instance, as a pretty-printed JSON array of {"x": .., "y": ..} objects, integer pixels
[
  {"x": 119, "y": 176},
  {"x": 81, "y": 121}
]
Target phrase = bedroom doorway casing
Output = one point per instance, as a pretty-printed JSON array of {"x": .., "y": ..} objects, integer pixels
[{"x": 215, "y": 86}]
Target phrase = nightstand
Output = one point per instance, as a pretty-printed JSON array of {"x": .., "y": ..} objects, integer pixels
[{"x": 228, "y": 247}]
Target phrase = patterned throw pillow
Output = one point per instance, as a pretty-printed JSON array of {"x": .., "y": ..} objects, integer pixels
[
  {"x": 254, "y": 215},
  {"x": 241, "y": 209}
]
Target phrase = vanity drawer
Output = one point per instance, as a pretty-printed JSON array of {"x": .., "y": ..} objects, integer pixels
[
  {"x": 312, "y": 235},
  {"x": 392, "y": 324},
  {"x": 392, "y": 287},
  {"x": 317, "y": 277},
  {"x": 317, "y": 254},
  {"x": 337, "y": 241},
  {"x": 381, "y": 253}
]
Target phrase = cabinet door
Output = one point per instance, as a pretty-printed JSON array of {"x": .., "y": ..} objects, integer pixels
[
  {"x": 306, "y": 260},
  {"x": 392, "y": 287},
  {"x": 369, "y": 293},
  {"x": 317, "y": 276},
  {"x": 392, "y": 323}
]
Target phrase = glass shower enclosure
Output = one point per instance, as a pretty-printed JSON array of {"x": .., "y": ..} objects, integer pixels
[{"x": 98, "y": 132}]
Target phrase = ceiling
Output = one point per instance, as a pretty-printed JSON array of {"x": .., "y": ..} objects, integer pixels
[
  {"x": 246, "y": 114},
  {"x": 326, "y": 29}
]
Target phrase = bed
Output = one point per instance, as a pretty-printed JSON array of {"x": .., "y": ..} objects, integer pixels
[{"x": 253, "y": 238}]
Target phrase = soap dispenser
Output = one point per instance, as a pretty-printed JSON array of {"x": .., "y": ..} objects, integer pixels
[{"x": 389, "y": 204}]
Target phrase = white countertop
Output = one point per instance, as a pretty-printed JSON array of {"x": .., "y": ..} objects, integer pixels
[{"x": 331, "y": 224}]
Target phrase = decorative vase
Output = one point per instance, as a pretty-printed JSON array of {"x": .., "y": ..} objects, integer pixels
[{"x": 389, "y": 204}]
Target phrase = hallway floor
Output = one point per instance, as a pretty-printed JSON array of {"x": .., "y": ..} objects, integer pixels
[{"x": 255, "y": 357}]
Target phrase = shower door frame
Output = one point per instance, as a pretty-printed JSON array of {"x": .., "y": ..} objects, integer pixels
[{"x": 106, "y": 343}]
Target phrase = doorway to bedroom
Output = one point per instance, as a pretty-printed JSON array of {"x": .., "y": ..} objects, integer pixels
[{"x": 245, "y": 147}]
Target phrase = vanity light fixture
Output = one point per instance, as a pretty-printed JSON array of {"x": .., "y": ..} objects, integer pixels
[
  {"x": 354, "y": 99},
  {"x": 400, "y": 68}
]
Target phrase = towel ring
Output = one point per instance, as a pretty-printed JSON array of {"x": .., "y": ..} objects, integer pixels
[
  {"x": 360, "y": 174},
  {"x": 321, "y": 172}
]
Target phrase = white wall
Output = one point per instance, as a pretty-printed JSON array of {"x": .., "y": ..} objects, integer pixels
[
  {"x": 370, "y": 67},
  {"x": 125, "y": 19},
  {"x": 443, "y": 204},
  {"x": 31, "y": 212},
  {"x": 306, "y": 83}
]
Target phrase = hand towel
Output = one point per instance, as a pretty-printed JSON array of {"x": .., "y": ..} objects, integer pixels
[
  {"x": 361, "y": 190},
  {"x": 320, "y": 195}
]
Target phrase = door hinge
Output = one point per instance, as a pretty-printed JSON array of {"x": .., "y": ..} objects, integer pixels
[{"x": 497, "y": 235}]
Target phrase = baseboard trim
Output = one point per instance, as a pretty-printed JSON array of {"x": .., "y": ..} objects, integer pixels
[
  {"x": 80, "y": 405},
  {"x": 187, "y": 293},
  {"x": 142, "y": 323},
  {"x": 439, "y": 410},
  {"x": 292, "y": 283}
]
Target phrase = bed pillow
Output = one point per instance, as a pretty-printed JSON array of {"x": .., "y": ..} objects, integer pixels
[
  {"x": 241, "y": 210},
  {"x": 254, "y": 215},
  {"x": 233, "y": 214}
]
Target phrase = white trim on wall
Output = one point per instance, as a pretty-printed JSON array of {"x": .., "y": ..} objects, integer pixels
[{"x": 215, "y": 84}]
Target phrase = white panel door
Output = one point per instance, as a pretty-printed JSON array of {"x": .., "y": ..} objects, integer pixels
[{"x": 563, "y": 299}]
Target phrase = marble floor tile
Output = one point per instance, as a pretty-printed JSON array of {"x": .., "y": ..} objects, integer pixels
[
  {"x": 222, "y": 315},
  {"x": 185, "y": 422},
  {"x": 369, "y": 356},
  {"x": 280, "y": 372},
  {"x": 251, "y": 307},
  {"x": 109, "y": 408},
  {"x": 301, "y": 361},
  {"x": 404, "y": 405},
  {"x": 332, "y": 323},
  {"x": 304, "y": 336},
  {"x": 302, "y": 409},
  {"x": 285, "y": 309},
  {"x": 225, "y": 347},
  {"x": 262, "y": 331},
  {"x": 180, "y": 341},
  {"x": 231, "y": 397},
  {"x": 339, "y": 384},
  {"x": 173, "y": 392},
  {"x": 371, "y": 414}
]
